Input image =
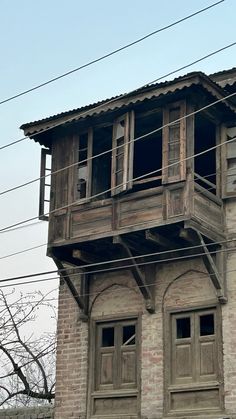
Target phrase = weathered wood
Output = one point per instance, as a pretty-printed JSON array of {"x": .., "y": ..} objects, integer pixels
[
  {"x": 66, "y": 277},
  {"x": 212, "y": 269},
  {"x": 85, "y": 256},
  {"x": 159, "y": 240},
  {"x": 174, "y": 172},
  {"x": 138, "y": 276},
  {"x": 194, "y": 237}
]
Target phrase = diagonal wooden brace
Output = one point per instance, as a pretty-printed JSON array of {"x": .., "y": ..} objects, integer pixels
[
  {"x": 78, "y": 297},
  {"x": 138, "y": 276},
  {"x": 194, "y": 237}
]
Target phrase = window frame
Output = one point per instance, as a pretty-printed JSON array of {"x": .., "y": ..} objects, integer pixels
[
  {"x": 123, "y": 392},
  {"x": 166, "y": 178},
  {"x": 196, "y": 385},
  {"x": 128, "y": 154},
  {"x": 225, "y": 159},
  {"x": 43, "y": 184},
  {"x": 89, "y": 133}
]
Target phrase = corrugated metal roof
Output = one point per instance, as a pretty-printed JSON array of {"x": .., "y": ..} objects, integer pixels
[
  {"x": 224, "y": 78},
  {"x": 146, "y": 92}
]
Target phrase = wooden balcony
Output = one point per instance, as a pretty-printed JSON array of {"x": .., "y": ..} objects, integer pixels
[{"x": 150, "y": 208}]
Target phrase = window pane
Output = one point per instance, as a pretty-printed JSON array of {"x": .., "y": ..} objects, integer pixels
[
  {"x": 183, "y": 328},
  {"x": 129, "y": 335},
  {"x": 207, "y": 325},
  {"x": 108, "y": 336}
]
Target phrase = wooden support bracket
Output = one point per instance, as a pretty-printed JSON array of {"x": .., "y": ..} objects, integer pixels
[
  {"x": 81, "y": 297},
  {"x": 194, "y": 237},
  {"x": 138, "y": 275},
  {"x": 159, "y": 240}
]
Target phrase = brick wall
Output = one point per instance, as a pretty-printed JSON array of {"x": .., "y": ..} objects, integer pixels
[
  {"x": 43, "y": 412},
  {"x": 179, "y": 284},
  {"x": 72, "y": 358}
]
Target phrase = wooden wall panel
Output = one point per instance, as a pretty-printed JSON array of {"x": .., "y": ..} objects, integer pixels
[
  {"x": 116, "y": 405},
  {"x": 207, "y": 210},
  {"x": 193, "y": 400},
  {"x": 91, "y": 221},
  {"x": 141, "y": 210}
]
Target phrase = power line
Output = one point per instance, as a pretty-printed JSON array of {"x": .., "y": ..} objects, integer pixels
[
  {"x": 23, "y": 251},
  {"x": 128, "y": 266},
  {"x": 104, "y": 152},
  {"x": 45, "y": 244},
  {"x": 40, "y": 222},
  {"x": 24, "y": 92},
  {"x": 79, "y": 269},
  {"x": 8, "y": 228},
  {"x": 123, "y": 95}
]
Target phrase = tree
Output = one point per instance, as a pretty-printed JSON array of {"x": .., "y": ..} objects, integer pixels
[{"x": 27, "y": 361}]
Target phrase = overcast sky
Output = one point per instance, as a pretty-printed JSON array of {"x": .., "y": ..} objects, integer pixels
[{"x": 42, "y": 39}]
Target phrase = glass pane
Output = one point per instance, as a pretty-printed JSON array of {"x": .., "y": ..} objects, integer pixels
[
  {"x": 128, "y": 335},
  {"x": 183, "y": 328},
  {"x": 108, "y": 336},
  {"x": 207, "y": 326}
]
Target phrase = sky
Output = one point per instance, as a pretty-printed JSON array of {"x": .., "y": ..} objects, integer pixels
[{"x": 43, "y": 39}]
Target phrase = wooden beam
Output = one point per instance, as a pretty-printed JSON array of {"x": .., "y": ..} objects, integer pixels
[
  {"x": 138, "y": 276},
  {"x": 66, "y": 277},
  {"x": 212, "y": 269},
  {"x": 159, "y": 240},
  {"x": 195, "y": 238},
  {"x": 85, "y": 256}
]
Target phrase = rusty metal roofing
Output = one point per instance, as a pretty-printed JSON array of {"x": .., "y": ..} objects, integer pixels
[{"x": 139, "y": 95}]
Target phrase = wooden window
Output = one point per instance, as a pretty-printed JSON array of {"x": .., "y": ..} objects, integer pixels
[
  {"x": 174, "y": 143},
  {"x": 122, "y": 153},
  {"x": 84, "y": 168},
  {"x": 45, "y": 184},
  {"x": 194, "y": 343},
  {"x": 193, "y": 364},
  {"x": 116, "y": 356},
  {"x": 229, "y": 177}
]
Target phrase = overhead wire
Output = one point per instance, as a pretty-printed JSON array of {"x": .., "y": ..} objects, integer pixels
[
  {"x": 79, "y": 269},
  {"x": 48, "y": 244},
  {"x": 131, "y": 265},
  {"x": 84, "y": 113},
  {"x": 67, "y": 73},
  {"x": 8, "y": 228}
]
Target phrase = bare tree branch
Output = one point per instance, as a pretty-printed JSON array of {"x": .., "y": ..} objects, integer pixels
[{"x": 25, "y": 359}]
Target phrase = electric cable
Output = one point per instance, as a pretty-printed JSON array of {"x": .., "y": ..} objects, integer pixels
[
  {"x": 24, "y": 92},
  {"x": 79, "y": 269},
  {"x": 146, "y": 174},
  {"x": 122, "y": 95},
  {"x": 110, "y": 150},
  {"x": 129, "y": 266}
]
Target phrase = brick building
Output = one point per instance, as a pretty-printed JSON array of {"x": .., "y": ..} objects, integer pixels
[{"x": 142, "y": 227}]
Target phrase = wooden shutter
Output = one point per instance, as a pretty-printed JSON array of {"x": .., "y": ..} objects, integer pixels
[
  {"x": 229, "y": 166},
  {"x": 174, "y": 143},
  {"x": 206, "y": 350},
  {"x": 105, "y": 371},
  {"x": 128, "y": 355},
  {"x": 45, "y": 184},
  {"x": 122, "y": 153},
  {"x": 182, "y": 354},
  {"x": 116, "y": 356},
  {"x": 194, "y": 347}
]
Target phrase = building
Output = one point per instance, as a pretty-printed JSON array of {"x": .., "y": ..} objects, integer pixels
[{"x": 142, "y": 227}]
